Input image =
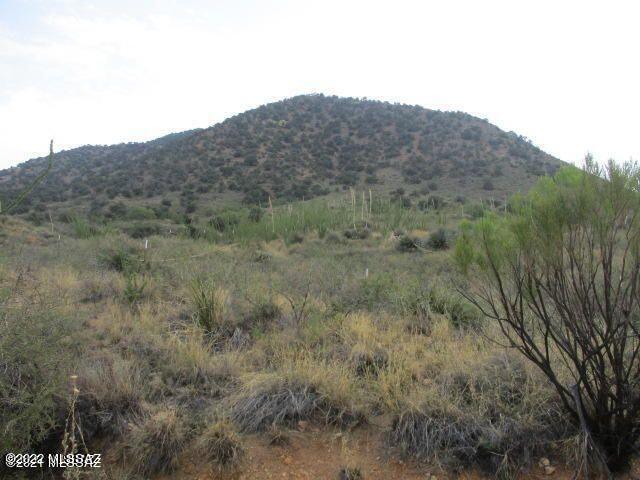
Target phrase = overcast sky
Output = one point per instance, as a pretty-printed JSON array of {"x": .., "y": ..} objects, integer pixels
[{"x": 564, "y": 74}]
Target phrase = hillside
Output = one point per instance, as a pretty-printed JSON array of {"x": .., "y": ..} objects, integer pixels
[{"x": 297, "y": 148}]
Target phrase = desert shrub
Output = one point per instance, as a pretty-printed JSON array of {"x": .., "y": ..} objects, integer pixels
[
  {"x": 572, "y": 241},
  {"x": 434, "y": 202},
  {"x": 461, "y": 312},
  {"x": 322, "y": 231},
  {"x": 476, "y": 210},
  {"x": 125, "y": 259},
  {"x": 332, "y": 238},
  {"x": 142, "y": 230},
  {"x": 83, "y": 229},
  {"x": 295, "y": 237},
  {"x": 264, "y": 311},
  {"x": 223, "y": 221},
  {"x": 407, "y": 243},
  {"x": 209, "y": 304},
  {"x": 220, "y": 444},
  {"x": 284, "y": 400},
  {"x": 487, "y": 185},
  {"x": 438, "y": 240},
  {"x": 464, "y": 437},
  {"x": 111, "y": 393},
  {"x": 415, "y": 306},
  {"x": 368, "y": 361},
  {"x": 155, "y": 442},
  {"x": 97, "y": 288},
  {"x": 36, "y": 355},
  {"x": 371, "y": 293},
  {"x": 277, "y": 403},
  {"x": 140, "y": 213},
  {"x": 350, "y": 473},
  {"x": 260, "y": 256},
  {"x": 256, "y": 213},
  {"x": 134, "y": 288},
  {"x": 357, "y": 233}
]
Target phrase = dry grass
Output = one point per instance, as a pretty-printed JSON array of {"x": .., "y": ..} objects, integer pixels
[
  {"x": 220, "y": 444},
  {"x": 155, "y": 442},
  {"x": 390, "y": 344}
]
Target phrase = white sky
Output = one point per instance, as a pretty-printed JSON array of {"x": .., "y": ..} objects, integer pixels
[{"x": 564, "y": 74}]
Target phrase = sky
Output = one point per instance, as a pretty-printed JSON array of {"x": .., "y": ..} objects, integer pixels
[{"x": 564, "y": 74}]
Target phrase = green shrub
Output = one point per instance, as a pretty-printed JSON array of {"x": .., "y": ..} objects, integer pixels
[
  {"x": 439, "y": 240},
  {"x": 124, "y": 259},
  {"x": 294, "y": 238},
  {"x": 83, "y": 229},
  {"x": 134, "y": 288},
  {"x": 142, "y": 230},
  {"x": 332, "y": 238},
  {"x": 264, "y": 311},
  {"x": 476, "y": 211},
  {"x": 140, "y": 213},
  {"x": 36, "y": 355},
  {"x": 255, "y": 214},
  {"x": 460, "y": 312},
  {"x": 407, "y": 244},
  {"x": 223, "y": 221},
  {"x": 357, "y": 233}
]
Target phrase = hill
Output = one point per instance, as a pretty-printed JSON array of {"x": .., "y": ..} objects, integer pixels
[{"x": 301, "y": 147}]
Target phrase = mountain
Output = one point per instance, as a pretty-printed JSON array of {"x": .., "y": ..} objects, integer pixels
[{"x": 301, "y": 147}]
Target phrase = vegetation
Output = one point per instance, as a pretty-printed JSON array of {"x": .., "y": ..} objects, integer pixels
[
  {"x": 191, "y": 344},
  {"x": 167, "y": 329},
  {"x": 299, "y": 148},
  {"x": 560, "y": 276}
]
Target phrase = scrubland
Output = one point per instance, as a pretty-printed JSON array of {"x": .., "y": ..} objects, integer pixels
[{"x": 318, "y": 318}]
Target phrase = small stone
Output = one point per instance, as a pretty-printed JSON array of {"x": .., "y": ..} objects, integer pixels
[
  {"x": 548, "y": 470},
  {"x": 287, "y": 460},
  {"x": 544, "y": 462}
]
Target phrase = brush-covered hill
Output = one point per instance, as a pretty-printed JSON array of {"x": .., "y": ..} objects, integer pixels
[{"x": 301, "y": 147}]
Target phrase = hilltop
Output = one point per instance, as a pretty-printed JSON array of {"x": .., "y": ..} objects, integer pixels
[{"x": 298, "y": 148}]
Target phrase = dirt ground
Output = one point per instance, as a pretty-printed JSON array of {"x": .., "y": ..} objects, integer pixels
[{"x": 311, "y": 455}]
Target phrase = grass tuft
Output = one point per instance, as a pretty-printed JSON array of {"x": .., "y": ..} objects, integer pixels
[
  {"x": 155, "y": 442},
  {"x": 220, "y": 444},
  {"x": 210, "y": 305}
]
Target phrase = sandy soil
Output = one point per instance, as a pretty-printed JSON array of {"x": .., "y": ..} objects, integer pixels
[{"x": 312, "y": 454}]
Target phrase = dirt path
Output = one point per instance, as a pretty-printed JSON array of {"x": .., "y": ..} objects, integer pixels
[{"x": 309, "y": 456}]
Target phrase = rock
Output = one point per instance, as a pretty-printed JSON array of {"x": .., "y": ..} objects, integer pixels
[
  {"x": 544, "y": 462},
  {"x": 548, "y": 470},
  {"x": 287, "y": 460}
]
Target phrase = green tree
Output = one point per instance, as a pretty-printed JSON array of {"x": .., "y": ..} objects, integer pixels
[{"x": 560, "y": 274}]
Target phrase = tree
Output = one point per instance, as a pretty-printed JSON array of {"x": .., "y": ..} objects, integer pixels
[{"x": 560, "y": 274}]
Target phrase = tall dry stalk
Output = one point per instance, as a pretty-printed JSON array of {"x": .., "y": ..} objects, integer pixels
[
  {"x": 353, "y": 205},
  {"x": 72, "y": 444},
  {"x": 273, "y": 222}
]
